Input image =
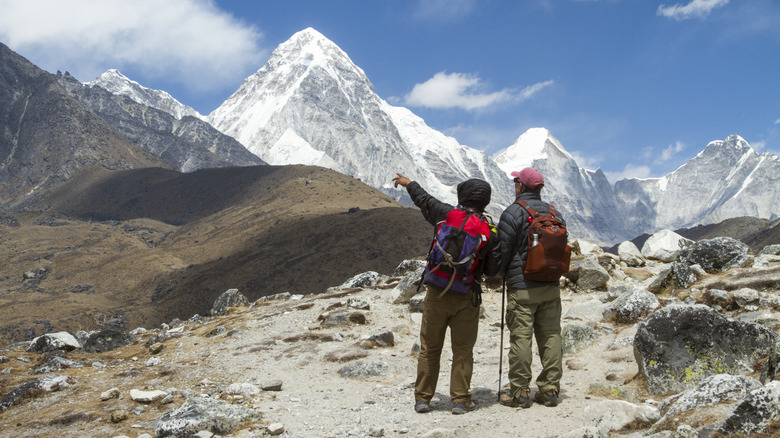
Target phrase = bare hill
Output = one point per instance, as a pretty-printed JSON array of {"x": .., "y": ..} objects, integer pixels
[{"x": 174, "y": 242}]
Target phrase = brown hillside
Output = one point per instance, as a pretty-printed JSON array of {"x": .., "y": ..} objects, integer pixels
[{"x": 261, "y": 229}]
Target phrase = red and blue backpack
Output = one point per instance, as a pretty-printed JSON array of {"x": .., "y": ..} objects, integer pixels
[{"x": 454, "y": 252}]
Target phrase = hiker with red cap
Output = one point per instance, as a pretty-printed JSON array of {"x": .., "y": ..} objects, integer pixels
[{"x": 533, "y": 306}]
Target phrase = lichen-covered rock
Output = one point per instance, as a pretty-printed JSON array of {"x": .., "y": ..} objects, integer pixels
[
  {"x": 366, "y": 279},
  {"x": 753, "y": 414},
  {"x": 713, "y": 390},
  {"x": 715, "y": 255},
  {"x": 229, "y": 298},
  {"x": 680, "y": 345},
  {"x": 682, "y": 275},
  {"x": 202, "y": 413},
  {"x": 576, "y": 337}
]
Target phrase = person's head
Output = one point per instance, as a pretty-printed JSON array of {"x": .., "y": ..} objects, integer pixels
[
  {"x": 474, "y": 193},
  {"x": 528, "y": 180}
]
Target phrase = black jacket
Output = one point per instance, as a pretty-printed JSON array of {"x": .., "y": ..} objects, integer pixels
[
  {"x": 474, "y": 194},
  {"x": 513, "y": 233}
]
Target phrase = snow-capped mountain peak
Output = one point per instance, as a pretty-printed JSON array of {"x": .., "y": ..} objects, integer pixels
[
  {"x": 533, "y": 144},
  {"x": 117, "y": 83}
]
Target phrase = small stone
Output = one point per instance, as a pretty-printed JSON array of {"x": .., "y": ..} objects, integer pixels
[
  {"x": 275, "y": 429},
  {"x": 378, "y": 432},
  {"x": 119, "y": 416},
  {"x": 156, "y": 348},
  {"x": 273, "y": 385},
  {"x": 111, "y": 393},
  {"x": 146, "y": 396}
]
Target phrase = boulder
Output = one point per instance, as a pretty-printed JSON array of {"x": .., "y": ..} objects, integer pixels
[
  {"x": 682, "y": 275},
  {"x": 406, "y": 288},
  {"x": 630, "y": 306},
  {"x": 630, "y": 254},
  {"x": 712, "y": 391},
  {"x": 680, "y": 345},
  {"x": 52, "y": 342},
  {"x": 715, "y": 255},
  {"x": 588, "y": 274},
  {"x": 229, "y": 298},
  {"x": 33, "y": 388},
  {"x": 664, "y": 246},
  {"x": 408, "y": 266},
  {"x": 106, "y": 340},
  {"x": 202, "y": 413},
  {"x": 755, "y": 412}
]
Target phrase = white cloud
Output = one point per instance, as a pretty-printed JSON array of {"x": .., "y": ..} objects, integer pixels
[
  {"x": 459, "y": 90},
  {"x": 694, "y": 9},
  {"x": 670, "y": 151},
  {"x": 777, "y": 122},
  {"x": 188, "y": 40},
  {"x": 630, "y": 171}
]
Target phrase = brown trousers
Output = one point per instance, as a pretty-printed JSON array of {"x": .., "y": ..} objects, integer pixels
[{"x": 462, "y": 318}]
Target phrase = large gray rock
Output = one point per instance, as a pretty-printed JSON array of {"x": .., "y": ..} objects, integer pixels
[
  {"x": 714, "y": 390},
  {"x": 33, "y": 388},
  {"x": 680, "y": 345},
  {"x": 587, "y": 311},
  {"x": 664, "y": 246},
  {"x": 588, "y": 274},
  {"x": 408, "y": 266},
  {"x": 406, "y": 288},
  {"x": 366, "y": 279},
  {"x": 53, "y": 341},
  {"x": 106, "y": 340},
  {"x": 682, "y": 274},
  {"x": 630, "y": 254},
  {"x": 630, "y": 306},
  {"x": 202, "y": 413},
  {"x": 715, "y": 255},
  {"x": 229, "y": 298},
  {"x": 753, "y": 414}
]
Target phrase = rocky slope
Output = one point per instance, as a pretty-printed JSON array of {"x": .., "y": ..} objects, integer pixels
[
  {"x": 186, "y": 142},
  {"x": 342, "y": 363},
  {"x": 149, "y": 245}
]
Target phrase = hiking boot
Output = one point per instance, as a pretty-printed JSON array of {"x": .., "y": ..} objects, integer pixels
[
  {"x": 422, "y": 407},
  {"x": 548, "y": 398},
  {"x": 462, "y": 408},
  {"x": 523, "y": 399}
]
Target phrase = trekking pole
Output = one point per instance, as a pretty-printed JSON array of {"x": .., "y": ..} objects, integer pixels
[{"x": 501, "y": 348}]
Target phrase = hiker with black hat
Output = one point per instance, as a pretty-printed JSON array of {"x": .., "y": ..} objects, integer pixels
[
  {"x": 533, "y": 307},
  {"x": 453, "y": 295}
]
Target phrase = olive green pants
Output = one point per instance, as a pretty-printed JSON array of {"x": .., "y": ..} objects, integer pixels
[
  {"x": 534, "y": 312},
  {"x": 462, "y": 318}
]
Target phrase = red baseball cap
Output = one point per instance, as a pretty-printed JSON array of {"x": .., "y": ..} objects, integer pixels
[{"x": 530, "y": 177}]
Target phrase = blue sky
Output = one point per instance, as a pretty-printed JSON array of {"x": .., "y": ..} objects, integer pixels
[{"x": 635, "y": 87}]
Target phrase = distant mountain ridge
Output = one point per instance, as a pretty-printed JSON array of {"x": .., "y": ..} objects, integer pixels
[{"x": 310, "y": 104}]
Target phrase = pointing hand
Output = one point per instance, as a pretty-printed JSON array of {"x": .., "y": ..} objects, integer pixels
[{"x": 401, "y": 180}]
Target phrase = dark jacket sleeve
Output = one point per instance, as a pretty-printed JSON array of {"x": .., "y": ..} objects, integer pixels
[
  {"x": 492, "y": 253},
  {"x": 433, "y": 210}
]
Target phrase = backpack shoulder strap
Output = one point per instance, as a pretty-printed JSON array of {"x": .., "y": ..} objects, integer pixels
[{"x": 527, "y": 207}]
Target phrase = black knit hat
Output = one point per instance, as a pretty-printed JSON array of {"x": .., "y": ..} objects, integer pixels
[{"x": 474, "y": 193}]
